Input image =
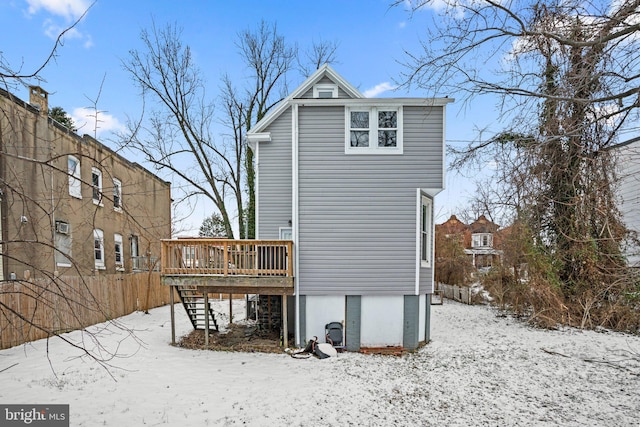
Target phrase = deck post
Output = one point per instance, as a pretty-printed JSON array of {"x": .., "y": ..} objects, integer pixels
[
  {"x": 206, "y": 318},
  {"x": 173, "y": 316},
  {"x": 285, "y": 322},
  {"x": 231, "y": 309}
]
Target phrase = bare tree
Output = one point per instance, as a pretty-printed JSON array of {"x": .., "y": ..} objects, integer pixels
[
  {"x": 566, "y": 73},
  {"x": 321, "y": 52},
  {"x": 180, "y": 136}
]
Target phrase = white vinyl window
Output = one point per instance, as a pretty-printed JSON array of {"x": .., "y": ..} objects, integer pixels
[
  {"x": 117, "y": 195},
  {"x": 425, "y": 232},
  {"x": 375, "y": 130},
  {"x": 98, "y": 249},
  {"x": 326, "y": 90},
  {"x": 73, "y": 170},
  {"x": 96, "y": 185},
  {"x": 119, "y": 257}
]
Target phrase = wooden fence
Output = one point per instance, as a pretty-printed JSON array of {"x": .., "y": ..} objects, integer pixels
[
  {"x": 41, "y": 308},
  {"x": 457, "y": 293}
]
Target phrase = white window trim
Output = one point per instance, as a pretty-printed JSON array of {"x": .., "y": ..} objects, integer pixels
[
  {"x": 325, "y": 87},
  {"x": 117, "y": 239},
  {"x": 283, "y": 230},
  {"x": 75, "y": 179},
  {"x": 373, "y": 131},
  {"x": 99, "y": 263},
  {"x": 425, "y": 231},
  {"x": 98, "y": 172},
  {"x": 117, "y": 184},
  {"x": 477, "y": 240},
  {"x": 66, "y": 255}
]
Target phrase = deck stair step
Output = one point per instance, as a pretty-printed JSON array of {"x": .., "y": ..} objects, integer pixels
[{"x": 193, "y": 303}]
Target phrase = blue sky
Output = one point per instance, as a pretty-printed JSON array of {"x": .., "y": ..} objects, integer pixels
[{"x": 372, "y": 38}]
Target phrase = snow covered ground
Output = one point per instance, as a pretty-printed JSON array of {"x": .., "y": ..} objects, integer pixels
[{"x": 479, "y": 369}]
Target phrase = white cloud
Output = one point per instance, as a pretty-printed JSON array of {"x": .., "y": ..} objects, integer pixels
[
  {"x": 378, "y": 89},
  {"x": 85, "y": 121},
  {"x": 69, "y": 9}
]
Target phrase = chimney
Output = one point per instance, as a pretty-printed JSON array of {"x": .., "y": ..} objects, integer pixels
[{"x": 39, "y": 98}]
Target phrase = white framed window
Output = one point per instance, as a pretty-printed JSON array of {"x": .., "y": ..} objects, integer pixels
[
  {"x": 117, "y": 195},
  {"x": 136, "y": 264},
  {"x": 119, "y": 256},
  {"x": 96, "y": 185},
  {"x": 62, "y": 243},
  {"x": 286, "y": 233},
  {"x": 98, "y": 249},
  {"x": 73, "y": 170},
  {"x": 326, "y": 90},
  {"x": 426, "y": 251},
  {"x": 373, "y": 130},
  {"x": 482, "y": 240}
]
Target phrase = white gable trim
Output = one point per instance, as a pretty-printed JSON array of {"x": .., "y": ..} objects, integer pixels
[
  {"x": 253, "y": 139},
  {"x": 307, "y": 85}
]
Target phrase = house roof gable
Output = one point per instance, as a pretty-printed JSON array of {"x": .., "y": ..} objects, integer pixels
[{"x": 318, "y": 75}]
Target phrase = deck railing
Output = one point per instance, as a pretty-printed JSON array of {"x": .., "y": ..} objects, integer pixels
[{"x": 226, "y": 257}]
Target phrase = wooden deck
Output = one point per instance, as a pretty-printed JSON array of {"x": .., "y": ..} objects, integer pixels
[{"x": 226, "y": 266}]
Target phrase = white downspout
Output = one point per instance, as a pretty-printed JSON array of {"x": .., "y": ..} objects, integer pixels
[{"x": 295, "y": 218}]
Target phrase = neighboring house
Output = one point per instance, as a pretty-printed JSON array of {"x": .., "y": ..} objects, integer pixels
[
  {"x": 484, "y": 240},
  {"x": 480, "y": 240},
  {"x": 351, "y": 180},
  {"x": 628, "y": 160},
  {"x": 66, "y": 197}
]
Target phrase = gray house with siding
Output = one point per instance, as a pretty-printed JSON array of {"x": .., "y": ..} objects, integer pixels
[
  {"x": 628, "y": 158},
  {"x": 351, "y": 180}
]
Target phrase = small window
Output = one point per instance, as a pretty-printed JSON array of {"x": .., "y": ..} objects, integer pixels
[
  {"x": 98, "y": 249},
  {"x": 425, "y": 232},
  {"x": 119, "y": 258},
  {"x": 325, "y": 91},
  {"x": 117, "y": 195},
  {"x": 62, "y": 243},
  {"x": 96, "y": 184},
  {"x": 136, "y": 263},
  {"x": 73, "y": 170},
  {"x": 375, "y": 130}
]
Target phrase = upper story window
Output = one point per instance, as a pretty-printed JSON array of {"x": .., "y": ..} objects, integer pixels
[
  {"x": 326, "y": 90},
  {"x": 117, "y": 194},
  {"x": 375, "y": 130},
  {"x": 482, "y": 240},
  {"x": 98, "y": 249},
  {"x": 73, "y": 170},
  {"x": 96, "y": 184}
]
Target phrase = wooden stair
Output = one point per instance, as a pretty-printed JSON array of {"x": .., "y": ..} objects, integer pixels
[{"x": 193, "y": 302}]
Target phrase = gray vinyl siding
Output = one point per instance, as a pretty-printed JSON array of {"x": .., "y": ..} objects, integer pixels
[
  {"x": 274, "y": 179},
  {"x": 357, "y": 219},
  {"x": 629, "y": 192}
]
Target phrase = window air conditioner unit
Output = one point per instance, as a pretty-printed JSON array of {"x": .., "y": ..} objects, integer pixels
[{"x": 62, "y": 227}]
